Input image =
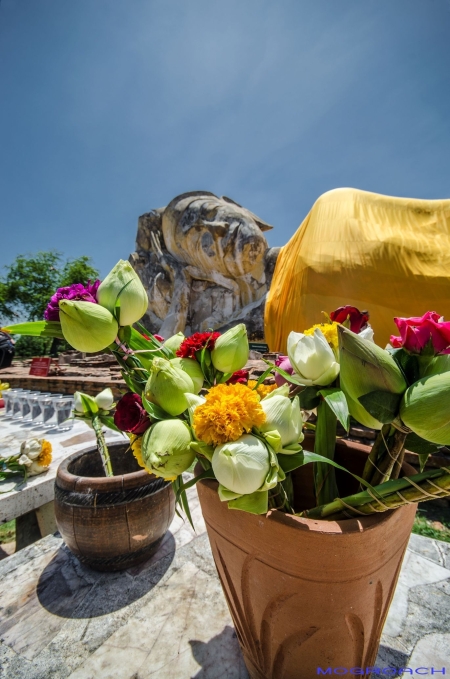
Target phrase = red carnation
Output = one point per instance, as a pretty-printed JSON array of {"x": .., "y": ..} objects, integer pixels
[
  {"x": 239, "y": 377},
  {"x": 196, "y": 342},
  {"x": 130, "y": 415},
  {"x": 358, "y": 319}
]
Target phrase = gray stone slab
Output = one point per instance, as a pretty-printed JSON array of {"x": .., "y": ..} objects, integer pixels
[{"x": 168, "y": 617}]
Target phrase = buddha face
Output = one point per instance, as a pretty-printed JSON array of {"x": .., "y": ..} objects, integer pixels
[{"x": 214, "y": 234}]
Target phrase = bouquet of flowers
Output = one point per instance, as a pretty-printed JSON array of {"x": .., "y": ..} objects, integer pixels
[
  {"x": 191, "y": 399},
  {"x": 34, "y": 458}
]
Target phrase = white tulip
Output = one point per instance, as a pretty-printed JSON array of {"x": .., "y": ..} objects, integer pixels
[
  {"x": 312, "y": 358},
  {"x": 283, "y": 415},
  {"x": 241, "y": 466},
  {"x": 104, "y": 399}
]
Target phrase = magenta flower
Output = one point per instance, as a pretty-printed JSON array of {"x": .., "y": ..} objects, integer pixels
[
  {"x": 77, "y": 291},
  {"x": 416, "y": 333},
  {"x": 358, "y": 319},
  {"x": 284, "y": 363}
]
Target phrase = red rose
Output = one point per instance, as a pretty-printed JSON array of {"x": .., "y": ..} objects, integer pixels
[
  {"x": 239, "y": 377},
  {"x": 417, "y": 332},
  {"x": 196, "y": 342},
  {"x": 130, "y": 415},
  {"x": 358, "y": 319}
]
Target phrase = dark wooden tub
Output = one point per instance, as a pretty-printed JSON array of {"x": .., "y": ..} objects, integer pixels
[{"x": 111, "y": 523}]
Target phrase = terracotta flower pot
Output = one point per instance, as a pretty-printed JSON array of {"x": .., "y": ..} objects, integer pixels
[
  {"x": 111, "y": 523},
  {"x": 305, "y": 594}
]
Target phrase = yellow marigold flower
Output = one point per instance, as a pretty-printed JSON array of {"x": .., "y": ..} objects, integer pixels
[
  {"x": 45, "y": 456},
  {"x": 330, "y": 330},
  {"x": 136, "y": 449},
  {"x": 229, "y": 411},
  {"x": 263, "y": 389}
]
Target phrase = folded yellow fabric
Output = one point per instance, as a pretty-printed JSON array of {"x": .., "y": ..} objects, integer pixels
[{"x": 387, "y": 255}]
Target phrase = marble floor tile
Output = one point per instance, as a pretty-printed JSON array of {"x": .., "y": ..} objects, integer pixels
[
  {"x": 432, "y": 650},
  {"x": 185, "y": 630},
  {"x": 416, "y": 570}
]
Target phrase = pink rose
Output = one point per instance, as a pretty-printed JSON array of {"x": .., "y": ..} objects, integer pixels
[{"x": 416, "y": 333}]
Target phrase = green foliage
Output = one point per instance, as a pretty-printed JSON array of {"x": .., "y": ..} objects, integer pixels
[
  {"x": 77, "y": 271},
  {"x": 426, "y": 527},
  {"x": 31, "y": 280},
  {"x": 8, "y": 531},
  {"x": 32, "y": 346}
]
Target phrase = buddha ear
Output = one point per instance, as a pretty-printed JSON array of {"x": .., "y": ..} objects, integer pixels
[{"x": 264, "y": 226}]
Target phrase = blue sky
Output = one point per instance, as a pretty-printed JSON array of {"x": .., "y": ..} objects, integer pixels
[{"x": 112, "y": 107}]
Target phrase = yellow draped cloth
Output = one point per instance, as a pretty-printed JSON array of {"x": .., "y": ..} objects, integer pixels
[{"x": 390, "y": 256}]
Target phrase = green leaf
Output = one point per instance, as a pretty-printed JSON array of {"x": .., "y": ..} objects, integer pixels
[
  {"x": 423, "y": 457},
  {"x": 90, "y": 406},
  {"x": 207, "y": 474},
  {"x": 382, "y": 405},
  {"x": 181, "y": 498},
  {"x": 335, "y": 399},
  {"x": 308, "y": 398},
  {"x": 314, "y": 457},
  {"x": 263, "y": 377},
  {"x": 417, "y": 444},
  {"x": 289, "y": 378},
  {"x": 290, "y": 462},
  {"x": 108, "y": 421},
  {"x": 155, "y": 411},
  {"x": 408, "y": 364},
  {"x": 255, "y": 503},
  {"x": 36, "y": 329}
]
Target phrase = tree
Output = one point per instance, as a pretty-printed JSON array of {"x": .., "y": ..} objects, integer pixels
[{"x": 31, "y": 280}]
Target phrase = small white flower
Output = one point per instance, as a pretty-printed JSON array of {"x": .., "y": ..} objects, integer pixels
[{"x": 312, "y": 358}]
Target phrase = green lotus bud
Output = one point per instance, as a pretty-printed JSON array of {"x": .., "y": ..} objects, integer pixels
[
  {"x": 241, "y": 466},
  {"x": 105, "y": 399},
  {"x": 173, "y": 343},
  {"x": 167, "y": 386},
  {"x": 123, "y": 294},
  {"x": 193, "y": 369},
  {"x": 166, "y": 448},
  {"x": 230, "y": 351},
  {"x": 425, "y": 408},
  {"x": 365, "y": 367},
  {"x": 87, "y": 326},
  {"x": 283, "y": 415}
]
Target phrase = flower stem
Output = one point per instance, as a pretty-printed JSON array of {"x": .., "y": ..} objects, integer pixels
[
  {"x": 389, "y": 495},
  {"x": 101, "y": 446},
  {"x": 324, "y": 444},
  {"x": 378, "y": 449},
  {"x": 278, "y": 499},
  {"x": 390, "y": 459}
]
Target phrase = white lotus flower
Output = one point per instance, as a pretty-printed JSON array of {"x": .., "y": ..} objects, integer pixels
[
  {"x": 241, "y": 466},
  {"x": 283, "y": 415},
  {"x": 312, "y": 358},
  {"x": 105, "y": 399},
  {"x": 367, "y": 333}
]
